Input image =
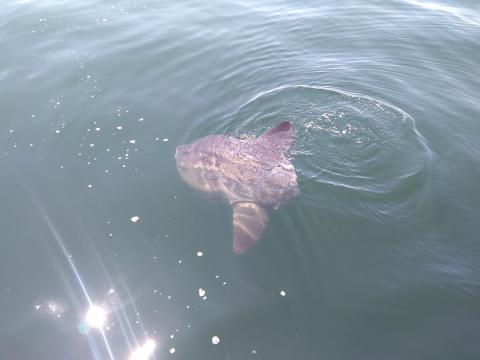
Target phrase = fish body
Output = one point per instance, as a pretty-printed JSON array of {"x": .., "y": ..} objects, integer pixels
[{"x": 251, "y": 175}]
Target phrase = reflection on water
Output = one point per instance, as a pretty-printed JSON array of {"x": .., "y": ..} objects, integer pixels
[{"x": 107, "y": 254}]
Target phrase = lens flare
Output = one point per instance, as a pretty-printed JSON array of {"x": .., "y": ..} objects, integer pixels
[{"x": 96, "y": 316}]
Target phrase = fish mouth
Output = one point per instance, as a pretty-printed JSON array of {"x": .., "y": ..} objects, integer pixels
[
  {"x": 181, "y": 152},
  {"x": 178, "y": 151}
]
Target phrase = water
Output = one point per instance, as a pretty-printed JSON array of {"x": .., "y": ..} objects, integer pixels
[{"x": 379, "y": 258}]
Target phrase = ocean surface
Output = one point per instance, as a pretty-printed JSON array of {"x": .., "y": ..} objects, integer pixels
[{"x": 105, "y": 253}]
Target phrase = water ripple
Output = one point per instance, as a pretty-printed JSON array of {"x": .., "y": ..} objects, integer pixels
[{"x": 350, "y": 149}]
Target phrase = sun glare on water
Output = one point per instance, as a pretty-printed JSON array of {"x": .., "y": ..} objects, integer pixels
[
  {"x": 145, "y": 351},
  {"x": 96, "y": 317}
]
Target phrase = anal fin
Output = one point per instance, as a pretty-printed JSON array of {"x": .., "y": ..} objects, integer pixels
[{"x": 249, "y": 222}]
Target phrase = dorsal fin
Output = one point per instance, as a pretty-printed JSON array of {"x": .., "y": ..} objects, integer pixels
[
  {"x": 249, "y": 222},
  {"x": 280, "y": 137}
]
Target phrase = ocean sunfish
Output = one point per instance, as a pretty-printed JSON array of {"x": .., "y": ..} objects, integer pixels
[{"x": 251, "y": 175}]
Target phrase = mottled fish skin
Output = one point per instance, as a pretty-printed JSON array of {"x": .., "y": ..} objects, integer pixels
[{"x": 255, "y": 173}]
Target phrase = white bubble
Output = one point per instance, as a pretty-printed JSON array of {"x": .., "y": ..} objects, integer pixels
[
  {"x": 215, "y": 340},
  {"x": 132, "y": 141},
  {"x": 172, "y": 350},
  {"x": 119, "y": 127},
  {"x": 165, "y": 139},
  {"x": 96, "y": 316},
  {"x": 199, "y": 253},
  {"x": 283, "y": 293},
  {"x": 134, "y": 219},
  {"x": 201, "y": 292}
]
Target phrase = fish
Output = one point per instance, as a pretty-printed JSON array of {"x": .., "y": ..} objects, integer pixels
[{"x": 251, "y": 175}]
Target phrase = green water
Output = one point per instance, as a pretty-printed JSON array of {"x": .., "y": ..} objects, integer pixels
[{"x": 378, "y": 258}]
